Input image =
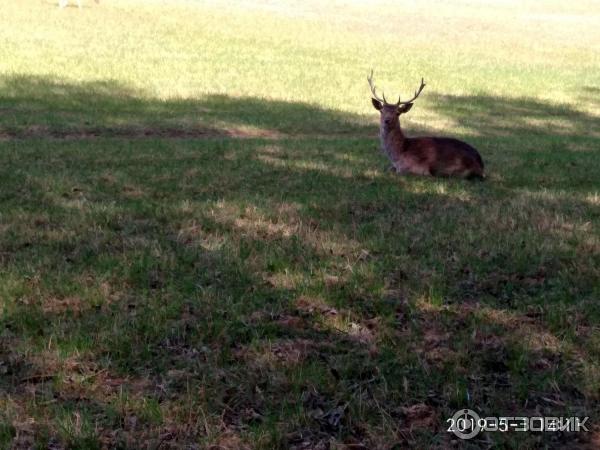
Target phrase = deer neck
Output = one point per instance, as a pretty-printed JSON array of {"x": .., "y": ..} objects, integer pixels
[{"x": 392, "y": 140}]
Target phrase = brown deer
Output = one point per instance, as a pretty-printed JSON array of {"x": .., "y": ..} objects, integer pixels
[{"x": 435, "y": 156}]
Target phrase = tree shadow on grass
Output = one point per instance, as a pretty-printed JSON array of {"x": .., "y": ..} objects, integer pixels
[
  {"x": 590, "y": 94},
  {"x": 492, "y": 116},
  {"x": 38, "y": 107},
  {"x": 229, "y": 281},
  {"x": 528, "y": 142}
]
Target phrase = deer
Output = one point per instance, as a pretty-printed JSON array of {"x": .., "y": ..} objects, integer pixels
[{"x": 431, "y": 156}]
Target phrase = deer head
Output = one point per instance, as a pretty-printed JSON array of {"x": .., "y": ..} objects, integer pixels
[{"x": 391, "y": 111}]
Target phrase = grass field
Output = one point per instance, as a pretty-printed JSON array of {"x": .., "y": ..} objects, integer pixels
[{"x": 201, "y": 245}]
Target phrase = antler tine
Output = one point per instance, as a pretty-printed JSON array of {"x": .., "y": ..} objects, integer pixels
[
  {"x": 375, "y": 96},
  {"x": 396, "y": 104},
  {"x": 417, "y": 93}
]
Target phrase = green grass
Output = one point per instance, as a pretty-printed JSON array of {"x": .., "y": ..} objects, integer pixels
[{"x": 201, "y": 245}]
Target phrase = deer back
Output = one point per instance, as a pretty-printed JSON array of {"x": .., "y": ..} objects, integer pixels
[{"x": 441, "y": 157}]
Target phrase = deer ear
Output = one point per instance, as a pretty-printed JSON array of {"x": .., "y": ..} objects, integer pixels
[
  {"x": 376, "y": 104},
  {"x": 405, "y": 108}
]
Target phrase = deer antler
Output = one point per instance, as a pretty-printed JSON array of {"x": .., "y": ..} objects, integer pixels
[
  {"x": 375, "y": 96},
  {"x": 417, "y": 93},
  {"x": 383, "y": 100}
]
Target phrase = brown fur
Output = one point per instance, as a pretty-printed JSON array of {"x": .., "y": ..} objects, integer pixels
[{"x": 424, "y": 155}]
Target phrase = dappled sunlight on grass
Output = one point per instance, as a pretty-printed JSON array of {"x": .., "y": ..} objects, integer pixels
[
  {"x": 253, "y": 223},
  {"x": 451, "y": 189},
  {"x": 285, "y": 280},
  {"x": 305, "y": 166},
  {"x": 593, "y": 199},
  {"x": 523, "y": 328},
  {"x": 201, "y": 244}
]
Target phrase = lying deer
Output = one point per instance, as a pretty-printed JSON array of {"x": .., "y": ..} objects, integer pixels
[{"x": 434, "y": 156}]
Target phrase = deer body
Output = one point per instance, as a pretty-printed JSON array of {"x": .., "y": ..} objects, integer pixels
[{"x": 432, "y": 156}]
